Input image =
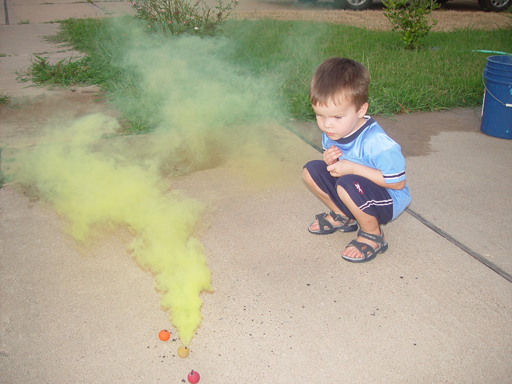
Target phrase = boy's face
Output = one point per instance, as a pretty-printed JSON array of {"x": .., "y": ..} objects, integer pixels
[{"x": 339, "y": 120}]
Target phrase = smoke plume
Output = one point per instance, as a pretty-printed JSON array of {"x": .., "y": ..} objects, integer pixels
[{"x": 206, "y": 112}]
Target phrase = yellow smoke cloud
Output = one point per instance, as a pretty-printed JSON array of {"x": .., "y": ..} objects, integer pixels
[
  {"x": 95, "y": 189},
  {"x": 205, "y": 112}
]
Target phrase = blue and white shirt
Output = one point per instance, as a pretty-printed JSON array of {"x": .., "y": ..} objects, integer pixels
[{"x": 372, "y": 147}]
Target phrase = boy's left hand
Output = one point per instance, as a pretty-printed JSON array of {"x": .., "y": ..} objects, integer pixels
[
  {"x": 340, "y": 168},
  {"x": 331, "y": 155}
]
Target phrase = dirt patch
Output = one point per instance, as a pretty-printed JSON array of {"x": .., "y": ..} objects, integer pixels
[
  {"x": 25, "y": 117},
  {"x": 448, "y": 20}
]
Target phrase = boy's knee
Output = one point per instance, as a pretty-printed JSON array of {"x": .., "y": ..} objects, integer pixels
[
  {"x": 345, "y": 183},
  {"x": 306, "y": 176},
  {"x": 342, "y": 193}
]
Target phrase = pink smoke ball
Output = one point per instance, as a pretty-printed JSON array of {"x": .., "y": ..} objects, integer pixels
[{"x": 193, "y": 377}]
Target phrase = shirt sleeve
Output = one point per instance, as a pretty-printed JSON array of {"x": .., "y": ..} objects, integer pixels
[{"x": 391, "y": 163}]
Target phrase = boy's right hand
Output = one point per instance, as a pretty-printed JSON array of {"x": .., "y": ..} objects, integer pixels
[{"x": 332, "y": 155}]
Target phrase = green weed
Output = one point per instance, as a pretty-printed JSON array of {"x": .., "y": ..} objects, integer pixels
[
  {"x": 67, "y": 72},
  {"x": 183, "y": 16}
]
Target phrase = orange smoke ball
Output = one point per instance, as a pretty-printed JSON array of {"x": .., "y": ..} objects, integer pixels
[
  {"x": 164, "y": 335},
  {"x": 183, "y": 352}
]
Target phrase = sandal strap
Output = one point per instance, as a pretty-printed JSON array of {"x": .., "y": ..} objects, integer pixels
[
  {"x": 379, "y": 239},
  {"x": 365, "y": 249},
  {"x": 342, "y": 219},
  {"x": 322, "y": 222}
]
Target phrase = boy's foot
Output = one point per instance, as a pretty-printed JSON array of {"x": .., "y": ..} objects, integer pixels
[
  {"x": 365, "y": 247},
  {"x": 327, "y": 223}
]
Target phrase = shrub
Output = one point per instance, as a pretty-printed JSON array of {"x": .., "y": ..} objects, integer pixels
[
  {"x": 411, "y": 18},
  {"x": 181, "y": 16}
]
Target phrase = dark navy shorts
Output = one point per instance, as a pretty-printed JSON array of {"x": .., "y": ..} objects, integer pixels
[{"x": 371, "y": 198}]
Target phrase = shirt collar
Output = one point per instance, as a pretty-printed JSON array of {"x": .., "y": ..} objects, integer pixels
[{"x": 351, "y": 137}]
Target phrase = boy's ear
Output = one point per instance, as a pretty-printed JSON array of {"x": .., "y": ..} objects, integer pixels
[{"x": 362, "y": 111}]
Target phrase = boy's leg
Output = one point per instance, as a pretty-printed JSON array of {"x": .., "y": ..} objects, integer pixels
[
  {"x": 367, "y": 223},
  {"x": 369, "y": 204},
  {"x": 315, "y": 167},
  {"x": 319, "y": 193}
]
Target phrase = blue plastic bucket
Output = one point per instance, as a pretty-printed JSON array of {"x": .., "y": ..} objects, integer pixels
[{"x": 497, "y": 106}]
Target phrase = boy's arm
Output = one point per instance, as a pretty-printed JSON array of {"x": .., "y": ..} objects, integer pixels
[{"x": 346, "y": 167}]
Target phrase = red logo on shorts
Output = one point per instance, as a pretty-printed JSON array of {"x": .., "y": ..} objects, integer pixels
[{"x": 359, "y": 189}]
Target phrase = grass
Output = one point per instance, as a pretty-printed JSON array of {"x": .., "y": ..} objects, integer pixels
[
  {"x": 4, "y": 99},
  {"x": 444, "y": 74}
]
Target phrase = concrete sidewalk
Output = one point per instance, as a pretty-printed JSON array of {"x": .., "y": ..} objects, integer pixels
[
  {"x": 23, "y": 27},
  {"x": 454, "y": 171},
  {"x": 286, "y": 307}
]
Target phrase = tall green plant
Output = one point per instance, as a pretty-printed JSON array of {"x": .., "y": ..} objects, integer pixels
[
  {"x": 410, "y": 17},
  {"x": 181, "y": 16}
]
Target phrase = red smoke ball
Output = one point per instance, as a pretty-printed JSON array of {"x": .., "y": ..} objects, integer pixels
[{"x": 193, "y": 377}]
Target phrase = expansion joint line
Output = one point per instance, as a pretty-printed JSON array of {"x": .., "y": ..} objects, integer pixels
[
  {"x": 6, "y": 13},
  {"x": 427, "y": 223},
  {"x": 466, "y": 249}
]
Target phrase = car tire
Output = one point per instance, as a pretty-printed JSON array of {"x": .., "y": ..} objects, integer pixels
[
  {"x": 356, "y": 5},
  {"x": 494, "y": 5},
  {"x": 483, "y": 5}
]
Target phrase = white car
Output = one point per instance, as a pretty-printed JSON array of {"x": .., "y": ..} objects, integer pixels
[{"x": 359, "y": 5}]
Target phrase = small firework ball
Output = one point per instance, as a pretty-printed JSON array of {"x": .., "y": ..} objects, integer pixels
[
  {"x": 193, "y": 377},
  {"x": 183, "y": 352},
  {"x": 164, "y": 335}
]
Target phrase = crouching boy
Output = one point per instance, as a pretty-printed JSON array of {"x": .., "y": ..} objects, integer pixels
[{"x": 362, "y": 176}]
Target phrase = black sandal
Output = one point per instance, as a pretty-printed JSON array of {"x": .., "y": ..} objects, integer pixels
[
  {"x": 367, "y": 250},
  {"x": 346, "y": 225}
]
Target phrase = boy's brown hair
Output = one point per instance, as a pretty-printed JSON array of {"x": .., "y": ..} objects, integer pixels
[{"x": 338, "y": 78}]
